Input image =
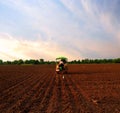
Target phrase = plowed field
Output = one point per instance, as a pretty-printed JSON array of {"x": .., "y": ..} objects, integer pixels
[{"x": 38, "y": 89}]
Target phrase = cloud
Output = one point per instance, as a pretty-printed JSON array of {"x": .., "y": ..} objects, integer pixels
[
  {"x": 11, "y": 48},
  {"x": 76, "y": 29}
]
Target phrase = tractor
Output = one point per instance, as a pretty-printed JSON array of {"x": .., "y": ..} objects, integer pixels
[{"x": 61, "y": 65}]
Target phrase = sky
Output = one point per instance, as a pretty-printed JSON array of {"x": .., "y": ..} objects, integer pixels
[{"x": 76, "y": 29}]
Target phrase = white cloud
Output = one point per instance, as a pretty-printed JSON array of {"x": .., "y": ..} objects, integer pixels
[{"x": 11, "y": 48}]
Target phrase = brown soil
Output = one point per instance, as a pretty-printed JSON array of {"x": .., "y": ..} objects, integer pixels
[{"x": 38, "y": 89}]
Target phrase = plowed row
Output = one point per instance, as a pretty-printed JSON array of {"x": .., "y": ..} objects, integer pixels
[{"x": 38, "y": 89}]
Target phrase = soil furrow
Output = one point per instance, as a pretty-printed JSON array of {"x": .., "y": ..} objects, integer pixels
[
  {"x": 40, "y": 94},
  {"x": 70, "y": 93},
  {"x": 14, "y": 91},
  {"x": 18, "y": 95},
  {"x": 55, "y": 101},
  {"x": 46, "y": 100},
  {"x": 14, "y": 87},
  {"x": 59, "y": 94},
  {"x": 66, "y": 100},
  {"x": 29, "y": 102},
  {"x": 26, "y": 99},
  {"x": 45, "y": 95},
  {"x": 11, "y": 83},
  {"x": 84, "y": 104}
]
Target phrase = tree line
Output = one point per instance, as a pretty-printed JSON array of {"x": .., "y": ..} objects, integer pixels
[
  {"x": 95, "y": 61},
  {"x": 42, "y": 61},
  {"x": 23, "y": 62}
]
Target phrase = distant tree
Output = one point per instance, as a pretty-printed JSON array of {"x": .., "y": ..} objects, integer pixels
[
  {"x": 8, "y": 62},
  {"x": 26, "y": 62},
  {"x": 78, "y": 61},
  {"x": 83, "y": 61},
  {"x": 1, "y": 62},
  {"x": 117, "y": 60},
  {"x": 74, "y": 61},
  {"x": 97, "y": 61},
  {"x": 41, "y": 61},
  {"x": 15, "y": 62},
  {"x": 31, "y": 61},
  {"x": 20, "y": 61},
  {"x": 36, "y": 62},
  {"x": 52, "y": 62},
  {"x": 47, "y": 62}
]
